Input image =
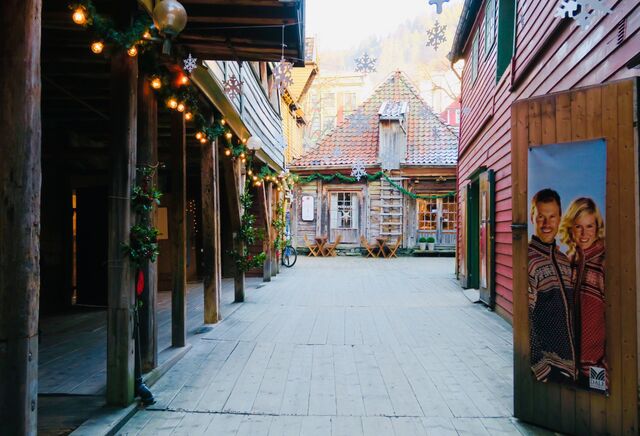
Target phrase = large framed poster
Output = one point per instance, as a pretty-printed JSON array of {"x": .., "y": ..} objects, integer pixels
[{"x": 566, "y": 263}]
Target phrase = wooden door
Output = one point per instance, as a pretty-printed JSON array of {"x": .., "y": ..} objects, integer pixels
[
  {"x": 606, "y": 113},
  {"x": 344, "y": 216},
  {"x": 486, "y": 237}
]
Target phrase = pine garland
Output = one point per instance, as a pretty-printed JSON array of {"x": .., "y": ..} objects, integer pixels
[
  {"x": 247, "y": 236},
  {"x": 327, "y": 178}
]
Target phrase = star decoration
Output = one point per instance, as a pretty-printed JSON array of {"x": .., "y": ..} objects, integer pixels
[
  {"x": 358, "y": 170},
  {"x": 438, "y": 4},
  {"x": 359, "y": 122},
  {"x": 190, "y": 63},
  {"x": 282, "y": 74},
  {"x": 232, "y": 87},
  {"x": 365, "y": 64},
  {"x": 436, "y": 36}
]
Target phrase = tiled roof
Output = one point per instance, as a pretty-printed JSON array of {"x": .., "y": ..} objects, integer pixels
[{"x": 430, "y": 142}]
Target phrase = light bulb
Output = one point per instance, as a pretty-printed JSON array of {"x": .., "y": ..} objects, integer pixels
[
  {"x": 241, "y": 155},
  {"x": 97, "y": 47},
  {"x": 133, "y": 51},
  {"x": 199, "y": 135},
  {"x": 172, "y": 103},
  {"x": 243, "y": 160},
  {"x": 188, "y": 116},
  {"x": 183, "y": 80},
  {"x": 156, "y": 83},
  {"x": 228, "y": 135},
  {"x": 223, "y": 121},
  {"x": 79, "y": 17},
  {"x": 180, "y": 107},
  {"x": 146, "y": 35},
  {"x": 227, "y": 152},
  {"x": 203, "y": 140},
  {"x": 250, "y": 172},
  {"x": 255, "y": 178}
]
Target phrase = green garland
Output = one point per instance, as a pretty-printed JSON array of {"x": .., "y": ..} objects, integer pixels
[
  {"x": 279, "y": 225},
  {"x": 370, "y": 178},
  {"x": 247, "y": 236}
]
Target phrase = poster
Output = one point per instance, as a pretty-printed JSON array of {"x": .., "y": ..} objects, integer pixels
[{"x": 566, "y": 264}]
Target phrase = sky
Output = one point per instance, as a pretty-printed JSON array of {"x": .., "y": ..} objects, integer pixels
[{"x": 341, "y": 24}]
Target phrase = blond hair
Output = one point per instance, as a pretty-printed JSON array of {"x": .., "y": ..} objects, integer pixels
[{"x": 578, "y": 207}]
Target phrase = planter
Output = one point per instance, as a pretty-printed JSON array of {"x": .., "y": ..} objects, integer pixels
[
  {"x": 431, "y": 245},
  {"x": 422, "y": 245}
]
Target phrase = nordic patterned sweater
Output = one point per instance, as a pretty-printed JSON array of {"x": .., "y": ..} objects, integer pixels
[{"x": 550, "y": 311}]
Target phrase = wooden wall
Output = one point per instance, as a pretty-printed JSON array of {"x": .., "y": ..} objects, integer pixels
[
  {"x": 550, "y": 55},
  {"x": 609, "y": 112}
]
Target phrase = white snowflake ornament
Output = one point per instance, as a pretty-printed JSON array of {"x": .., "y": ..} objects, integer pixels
[
  {"x": 282, "y": 74},
  {"x": 438, "y": 4},
  {"x": 359, "y": 122},
  {"x": 365, "y": 64},
  {"x": 190, "y": 63},
  {"x": 232, "y": 87},
  {"x": 567, "y": 9},
  {"x": 436, "y": 36},
  {"x": 584, "y": 12},
  {"x": 358, "y": 170}
]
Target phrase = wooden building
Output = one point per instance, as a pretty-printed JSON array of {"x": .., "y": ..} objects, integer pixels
[
  {"x": 533, "y": 76},
  {"x": 77, "y": 124},
  {"x": 392, "y": 130}
]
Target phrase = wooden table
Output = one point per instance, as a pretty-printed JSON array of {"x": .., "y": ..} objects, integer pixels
[
  {"x": 321, "y": 241},
  {"x": 381, "y": 246}
]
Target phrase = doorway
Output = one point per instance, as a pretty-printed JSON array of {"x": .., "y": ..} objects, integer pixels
[{"x": 344, "y": 216}]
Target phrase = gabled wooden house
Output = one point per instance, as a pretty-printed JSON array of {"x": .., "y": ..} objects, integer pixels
[
  {"x": 80, "y": 115},
  {"x": 534, "y": 77},
  {"x": 395, "y": 131}
]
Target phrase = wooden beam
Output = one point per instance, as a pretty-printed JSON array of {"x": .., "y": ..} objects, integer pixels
[
  {"x": 120, "y": 344},
  {"x": 20, "y": 179},
  {"x": 211, "y": 233},
  {"x": 148, "y": 156},
  {"x": 178, "y": 230}
]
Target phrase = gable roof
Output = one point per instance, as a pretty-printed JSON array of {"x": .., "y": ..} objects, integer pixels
[
  {"x": 463, "y": 31},
  {"x": 430, "y": 142}
]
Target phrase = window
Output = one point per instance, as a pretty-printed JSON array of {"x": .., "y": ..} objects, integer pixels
[
  {"x": 506, "y": 34},
  {"x": 427, "y": 214},
  {"x": 449, "y": 213},
  {"x": 457, "y": 116},
  {"x": 344, "y": 210},
  {"x": 349, "y": 102},
  {"x": 489, "y": 26},
  {"x": 474, "y": 58}
]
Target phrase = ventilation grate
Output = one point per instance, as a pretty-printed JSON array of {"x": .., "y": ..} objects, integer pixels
[{"x": 622, "y": 31}]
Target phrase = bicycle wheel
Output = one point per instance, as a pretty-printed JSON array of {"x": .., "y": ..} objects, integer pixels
[{"x": 289, "y": 256}]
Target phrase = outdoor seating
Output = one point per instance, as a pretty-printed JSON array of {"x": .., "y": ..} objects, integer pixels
[
  {"x": 321, "y": 242},
  {"x": 331, "y": 248},
  {"x": 394, "y": 249},
  {"x": 365, "y": 244},
  {"x": 313, "y": 248}
]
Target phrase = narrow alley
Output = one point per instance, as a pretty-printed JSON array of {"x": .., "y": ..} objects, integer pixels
[{"x": 345, "y": 346}]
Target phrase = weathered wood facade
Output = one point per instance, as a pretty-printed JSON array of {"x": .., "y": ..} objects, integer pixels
[
  {"x": 394, "y": 130},
  {"x": 551, "y": 82},
  {"x": 100, "y": 120}
]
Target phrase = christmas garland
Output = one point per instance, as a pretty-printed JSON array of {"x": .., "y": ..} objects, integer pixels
[
  {"x": 327, "y": 178},
  {"x": 279, "y": 225},
  {"x": 247, "y": 236}
]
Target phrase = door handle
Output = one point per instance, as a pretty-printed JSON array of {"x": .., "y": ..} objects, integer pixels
[{"x": 518, "y": 226}]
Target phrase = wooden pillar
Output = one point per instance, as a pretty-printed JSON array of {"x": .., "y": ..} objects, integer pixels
[
  {"x": 20, "y": 180},
  {"x": 178, "y": 229},
  {"x": 268, "y": 239},
  {"x": 120, "y": 344},
  {"x": 232, "y": 194},
  {"x": 148, "y": 156},
  {"x": 211, "y": 233}
]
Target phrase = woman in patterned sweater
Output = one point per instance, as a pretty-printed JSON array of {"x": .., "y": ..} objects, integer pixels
[{"x": 582, "y": 230}]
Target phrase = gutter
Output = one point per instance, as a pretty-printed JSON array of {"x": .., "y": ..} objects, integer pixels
[{"x": 467, "y": 19}]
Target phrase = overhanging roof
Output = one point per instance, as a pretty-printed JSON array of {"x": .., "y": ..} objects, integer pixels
[{"x": 467, "y": 18}]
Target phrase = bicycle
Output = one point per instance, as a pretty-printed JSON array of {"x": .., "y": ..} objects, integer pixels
[{"x": 289, "y": 255}]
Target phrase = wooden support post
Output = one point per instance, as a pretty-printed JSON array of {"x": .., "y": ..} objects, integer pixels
[
  {"x": 148, "y": 156},
  {"x": 268, "y": 240},
  {"x": 232, "y": 194},
  {"x": 20, "y": 179},
  {"x": 211, "y": 233},
  {"x": 120, "y": 344},
  {"x": 178, "y": 230}
]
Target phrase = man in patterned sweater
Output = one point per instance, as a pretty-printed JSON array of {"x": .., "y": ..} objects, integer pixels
[{"x": 553, "y": 353}]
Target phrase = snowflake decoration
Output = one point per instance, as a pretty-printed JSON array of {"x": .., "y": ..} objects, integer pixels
[
  {"x": 190, "y": 63},
  {"x": 359, "y": 122},
  {"x": 365, "y": 64},
  {"x": 584, "y": 12},
  {"x": 282, "y": 74},
  {"x": 357, "y": 170},
  {"x": 438, "y": 4},
  {"x": 435, "y": 36},
  {"x": 336, "y": 151},
  {"x": 232, "y": 87}
]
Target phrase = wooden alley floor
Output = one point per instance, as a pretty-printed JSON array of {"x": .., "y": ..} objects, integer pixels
[{"x": 345, "y": 346}]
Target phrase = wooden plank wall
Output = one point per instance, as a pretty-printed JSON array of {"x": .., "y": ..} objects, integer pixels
[
  {"x": 374, "y": 208},
  {"x": 303, "y": 228},
  {"x": 562, "y": 64},
  {"x": 608, "y": 112}
]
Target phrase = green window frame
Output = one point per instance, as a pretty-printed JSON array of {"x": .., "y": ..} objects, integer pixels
[
  {"x": 506, "y": 18},
  {"x": 474, "y": 57},
  {"x": 489, "y": 25}
]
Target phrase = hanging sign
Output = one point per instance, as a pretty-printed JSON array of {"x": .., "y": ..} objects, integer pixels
[{"x": 307, "y": 208}]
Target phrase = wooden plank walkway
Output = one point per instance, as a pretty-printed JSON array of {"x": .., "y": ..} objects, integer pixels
[{"x": 345, "y": 346}]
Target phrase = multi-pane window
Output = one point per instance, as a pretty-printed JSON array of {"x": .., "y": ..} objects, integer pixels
[
  {"x": 349, "y": 102},
  {"x": 345, "y": 210},
  {"x": 427, "y": 214},
  {"x": 449, "y": 207},
  {"x": 489, "y": 25}
]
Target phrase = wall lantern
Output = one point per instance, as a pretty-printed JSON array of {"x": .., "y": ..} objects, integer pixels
[
  {"x": 254, "y": 143},
  {"x": 170, "y": 18}
]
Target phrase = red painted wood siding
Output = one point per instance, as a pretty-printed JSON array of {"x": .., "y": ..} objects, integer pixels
[{"x": 573, "y": 58}]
